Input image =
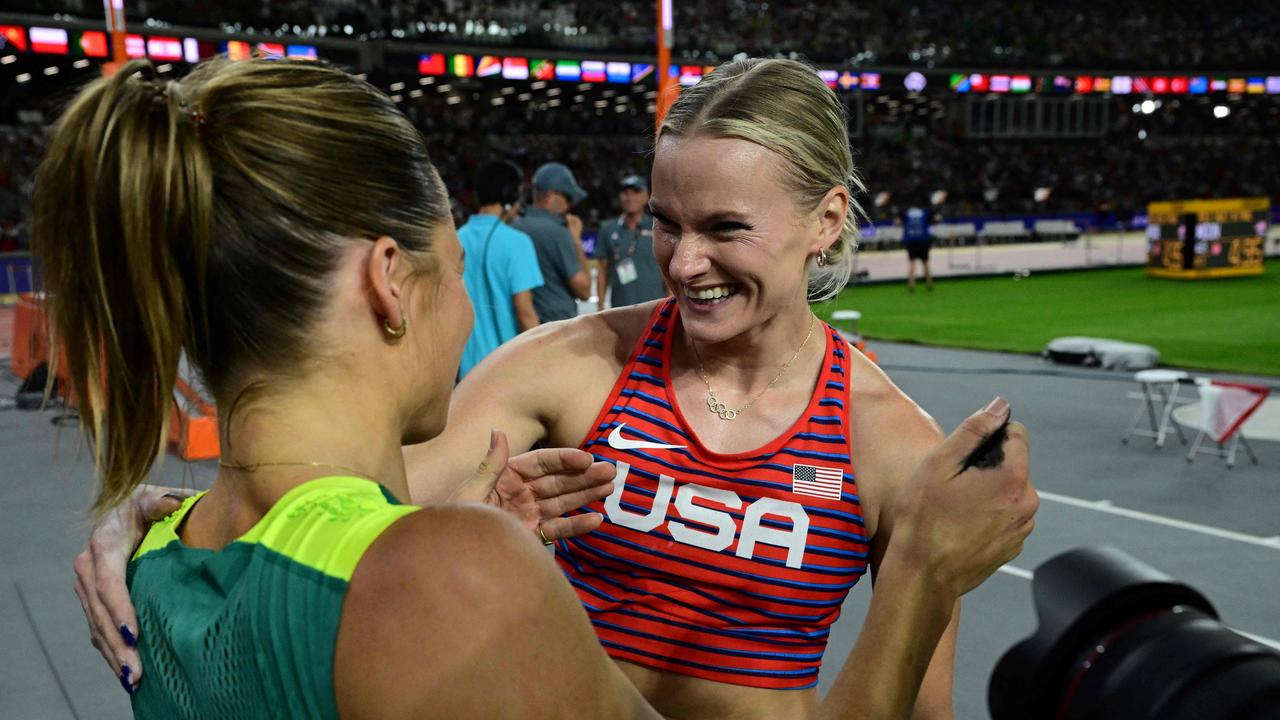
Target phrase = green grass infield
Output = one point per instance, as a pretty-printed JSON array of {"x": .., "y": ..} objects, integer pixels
[{"x": 1230, "y": 324}]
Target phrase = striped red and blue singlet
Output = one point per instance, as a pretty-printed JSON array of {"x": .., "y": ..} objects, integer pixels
[{"x": 726, "y": 567}]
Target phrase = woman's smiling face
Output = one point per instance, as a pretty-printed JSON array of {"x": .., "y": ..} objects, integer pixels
[{"x": 732, "y": 245}]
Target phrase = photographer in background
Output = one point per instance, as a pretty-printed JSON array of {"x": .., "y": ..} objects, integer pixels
[
  {"x": 501, "y": 269},
  {"x": 624, "y": 250}
]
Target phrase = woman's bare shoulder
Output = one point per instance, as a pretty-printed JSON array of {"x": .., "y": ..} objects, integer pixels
[
  {"x": 604, "y": 336},
  {"x": 457, "y": 611},
  {"x": 433, "y": 583},
  {"x": 889, "y": 435},
  {"x": 875, "y": 400}
]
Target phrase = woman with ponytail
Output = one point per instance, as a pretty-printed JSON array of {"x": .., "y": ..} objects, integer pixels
[{"x": 279, "y": 222}]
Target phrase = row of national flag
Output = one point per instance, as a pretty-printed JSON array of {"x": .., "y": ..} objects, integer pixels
[{"x": 97, "y": 44}]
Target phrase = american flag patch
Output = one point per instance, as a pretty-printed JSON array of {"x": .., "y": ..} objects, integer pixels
[{"x": 817, "y": 481}]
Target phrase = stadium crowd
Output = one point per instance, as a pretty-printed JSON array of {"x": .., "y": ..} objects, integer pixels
[
  {"x": 20, "y": 150},
  {"x": 1227, "y": 35},
  {"x": 1117, "y": 176}
]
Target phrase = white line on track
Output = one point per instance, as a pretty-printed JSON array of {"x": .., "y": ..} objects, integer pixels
[
  {"x": 1258, "y": 638},
  {"x": 1027, "y": 575},
  {"x": 1015, "y": 571},
  {"x": 1105, "y": 506}
]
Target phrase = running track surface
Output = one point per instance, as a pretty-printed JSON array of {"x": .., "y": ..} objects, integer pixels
[{"x": 1209, "y": 526}]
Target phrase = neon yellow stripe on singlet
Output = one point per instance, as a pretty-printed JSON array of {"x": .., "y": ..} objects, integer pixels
[{"x": 353, "y": 510}]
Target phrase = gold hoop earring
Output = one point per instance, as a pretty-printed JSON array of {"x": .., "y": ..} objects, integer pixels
[{"x": 395, "y": 332}]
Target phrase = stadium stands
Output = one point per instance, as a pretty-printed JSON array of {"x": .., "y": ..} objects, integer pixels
[
  {"x": 1147, "y": 146},
  {"x": 1103, "y": 183},
  {"x": 991, "y": 33},
  {"x": 20, "y": 149}
]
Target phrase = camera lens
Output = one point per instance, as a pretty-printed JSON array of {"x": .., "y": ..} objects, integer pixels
[{"x": 1118, "y": 639}]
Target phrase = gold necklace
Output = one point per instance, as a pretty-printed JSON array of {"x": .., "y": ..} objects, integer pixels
[
  {"x": 719, "y": 408},
  {"x": 254, "y": 467}
]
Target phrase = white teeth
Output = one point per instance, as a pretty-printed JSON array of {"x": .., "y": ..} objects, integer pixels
[{"x": 712, "y": 293}]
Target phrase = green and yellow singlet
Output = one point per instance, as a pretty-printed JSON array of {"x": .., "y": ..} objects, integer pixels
[{"x": 248, "y": 631}]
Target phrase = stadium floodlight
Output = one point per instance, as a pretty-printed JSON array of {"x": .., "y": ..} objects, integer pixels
[
  {"x": 23, "y": 77},
  {"x": 1221, "y": 111},
  {"x": 8, "y": 59},
  {"x": 1148, "y": 107}
]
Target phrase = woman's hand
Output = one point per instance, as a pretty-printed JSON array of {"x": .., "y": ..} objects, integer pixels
[
  {"x": 100, "y": 573},
  {"x": 958, "y": 524},
  {"x": 540, "y": 486}
]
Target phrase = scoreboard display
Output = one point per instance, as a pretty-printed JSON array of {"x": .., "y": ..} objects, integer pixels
[{"x": 1198, "y": 239}]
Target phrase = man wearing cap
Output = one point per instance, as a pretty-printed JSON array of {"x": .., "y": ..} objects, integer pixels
[
  {"x": 624, "y": 250},
  {"x": 557, "y": 240}
]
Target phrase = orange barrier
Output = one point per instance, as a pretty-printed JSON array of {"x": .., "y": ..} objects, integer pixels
[
  {"x": 30, "y": 346},
  {"x": 193, "y": 421},
  {"x": 193, "y": 425},
  {"x": 861, "y": 345}
]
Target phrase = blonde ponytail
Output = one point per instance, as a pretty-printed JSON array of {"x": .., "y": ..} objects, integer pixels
[
  {"x": 122, "y": 212},
  {"x": 207, "y": 216}
]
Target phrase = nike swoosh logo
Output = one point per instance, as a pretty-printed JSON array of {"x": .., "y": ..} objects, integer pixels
[{"x": 617, "y": 442}]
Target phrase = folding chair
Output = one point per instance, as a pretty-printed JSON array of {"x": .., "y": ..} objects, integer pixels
[{"x": 1224, "y": 408}]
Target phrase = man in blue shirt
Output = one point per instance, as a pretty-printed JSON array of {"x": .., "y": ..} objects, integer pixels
[
  {"x": 501, "y": 268},
  {"x": 624, "y": 250},
  {"x": 557, "y": 239}
]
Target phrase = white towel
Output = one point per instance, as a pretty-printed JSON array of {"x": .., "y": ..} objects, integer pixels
[{"x": 1224, "y": 406}]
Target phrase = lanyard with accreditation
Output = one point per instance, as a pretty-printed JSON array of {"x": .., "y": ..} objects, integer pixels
[{"x": 626, "y": 266}]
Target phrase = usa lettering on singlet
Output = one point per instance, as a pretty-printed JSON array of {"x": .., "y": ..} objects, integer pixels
[{"x": 726, "y": 567}]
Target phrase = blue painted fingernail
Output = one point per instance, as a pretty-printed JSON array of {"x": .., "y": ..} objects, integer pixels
[
  {"x": 129, "y": 638},
  {"x": 125, "y": 674}
]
